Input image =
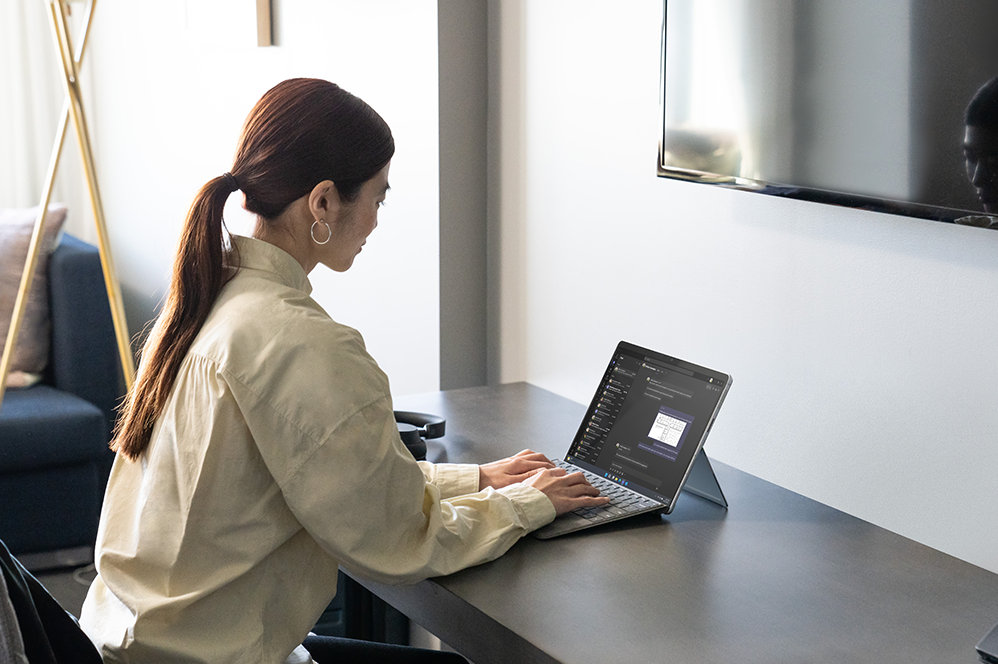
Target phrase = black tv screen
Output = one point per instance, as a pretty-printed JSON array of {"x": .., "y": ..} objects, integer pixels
[{"x": 851, "y": 102}]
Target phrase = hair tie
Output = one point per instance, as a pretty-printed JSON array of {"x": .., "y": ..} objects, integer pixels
[{"x": 231, "y": 179}]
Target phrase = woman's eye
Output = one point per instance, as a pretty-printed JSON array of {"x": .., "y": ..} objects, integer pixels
[{"x": 382, "y": 203}]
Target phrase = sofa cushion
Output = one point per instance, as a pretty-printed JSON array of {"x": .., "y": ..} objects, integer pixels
[
  {"x": 32, "y": 350},
  {"x": 50, "y": 509},
  {"x": 44, "y": 427}
]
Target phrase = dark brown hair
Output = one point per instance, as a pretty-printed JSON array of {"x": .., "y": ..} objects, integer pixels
[
  {"x": 301, "y": 132},
  {"x": 982, "y": 111}
]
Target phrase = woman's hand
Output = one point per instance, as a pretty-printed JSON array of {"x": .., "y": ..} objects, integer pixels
[
  {"x": 512, "y": 469},
  {"x": 566, "y": 491}
]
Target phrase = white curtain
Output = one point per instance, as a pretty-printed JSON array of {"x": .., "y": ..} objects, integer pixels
[{"x": 31, "y": 99}]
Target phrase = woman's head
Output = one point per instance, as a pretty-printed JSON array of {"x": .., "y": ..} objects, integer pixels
[
  {"x": 304, "y": 131},
  {"x": 305, "y": 139},
  {"x": 980, "y": 144}
]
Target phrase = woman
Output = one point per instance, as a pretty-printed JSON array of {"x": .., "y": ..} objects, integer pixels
[{"x": 257, "y": 450}]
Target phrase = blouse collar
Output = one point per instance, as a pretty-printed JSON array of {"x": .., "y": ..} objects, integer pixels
[{"x": 254, "y": 254}]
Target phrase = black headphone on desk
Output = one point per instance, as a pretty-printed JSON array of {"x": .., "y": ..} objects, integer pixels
[{"x": 416, "y": 428}]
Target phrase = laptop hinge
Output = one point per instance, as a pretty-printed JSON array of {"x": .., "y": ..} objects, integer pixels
[{"x": 703, "y": 482}]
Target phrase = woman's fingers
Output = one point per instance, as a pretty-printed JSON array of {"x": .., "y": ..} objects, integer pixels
[{"x": 566, "y": 491}]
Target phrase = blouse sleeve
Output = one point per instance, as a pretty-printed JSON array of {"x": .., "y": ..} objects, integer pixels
[{"x": 453, "y": 479}]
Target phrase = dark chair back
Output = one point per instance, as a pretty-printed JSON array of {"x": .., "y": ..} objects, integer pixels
[{"x": 48, "y": 633}]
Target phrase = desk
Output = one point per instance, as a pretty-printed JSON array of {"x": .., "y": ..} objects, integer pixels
[{"x": 775, "y": 578}]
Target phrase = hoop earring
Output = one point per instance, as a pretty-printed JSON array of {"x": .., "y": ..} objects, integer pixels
[{"x": 329, "y": 231}]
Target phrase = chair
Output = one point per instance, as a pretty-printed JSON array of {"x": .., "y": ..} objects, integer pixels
[
  {"x": 54, "y": 456},
  {"x": 33, "y": 627}
]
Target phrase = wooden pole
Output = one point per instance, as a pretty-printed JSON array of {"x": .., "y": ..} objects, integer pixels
[{"x": 72, "y": 109}]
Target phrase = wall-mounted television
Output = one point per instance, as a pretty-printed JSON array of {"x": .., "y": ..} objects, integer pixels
[{"x": 859, "y": 103}]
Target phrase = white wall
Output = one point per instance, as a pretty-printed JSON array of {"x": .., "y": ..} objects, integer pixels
[
  {"x": 862, "y": 345},
  {"x": 173, "y": 83}
]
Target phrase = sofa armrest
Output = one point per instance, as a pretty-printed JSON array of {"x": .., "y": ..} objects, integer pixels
[{"x": 84, "y": 353}]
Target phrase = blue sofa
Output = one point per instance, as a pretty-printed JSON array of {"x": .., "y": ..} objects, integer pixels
[{"x": 54, "y": 456}]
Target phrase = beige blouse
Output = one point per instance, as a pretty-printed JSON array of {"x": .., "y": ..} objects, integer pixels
[{"x": 275, "y": 461}]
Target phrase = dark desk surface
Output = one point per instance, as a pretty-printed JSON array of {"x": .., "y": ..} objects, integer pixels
[{"x": 775, "y": 578}]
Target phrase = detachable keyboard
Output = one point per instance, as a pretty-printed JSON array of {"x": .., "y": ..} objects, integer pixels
[{"x": 623, "y": 503}]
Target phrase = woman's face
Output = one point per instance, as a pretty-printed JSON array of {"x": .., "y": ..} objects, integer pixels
[
  {"x": 980, "y": 149},
  {"x": 355, "y": 221}
]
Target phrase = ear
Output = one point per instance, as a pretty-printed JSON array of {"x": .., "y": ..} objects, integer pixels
[{"x": 324, "y": 201}]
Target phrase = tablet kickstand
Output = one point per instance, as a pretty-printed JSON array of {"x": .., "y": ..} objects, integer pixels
[{"x": 702, "y": 481}]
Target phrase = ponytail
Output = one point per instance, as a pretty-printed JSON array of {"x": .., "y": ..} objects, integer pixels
[{"x": 199, "y": 273}]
